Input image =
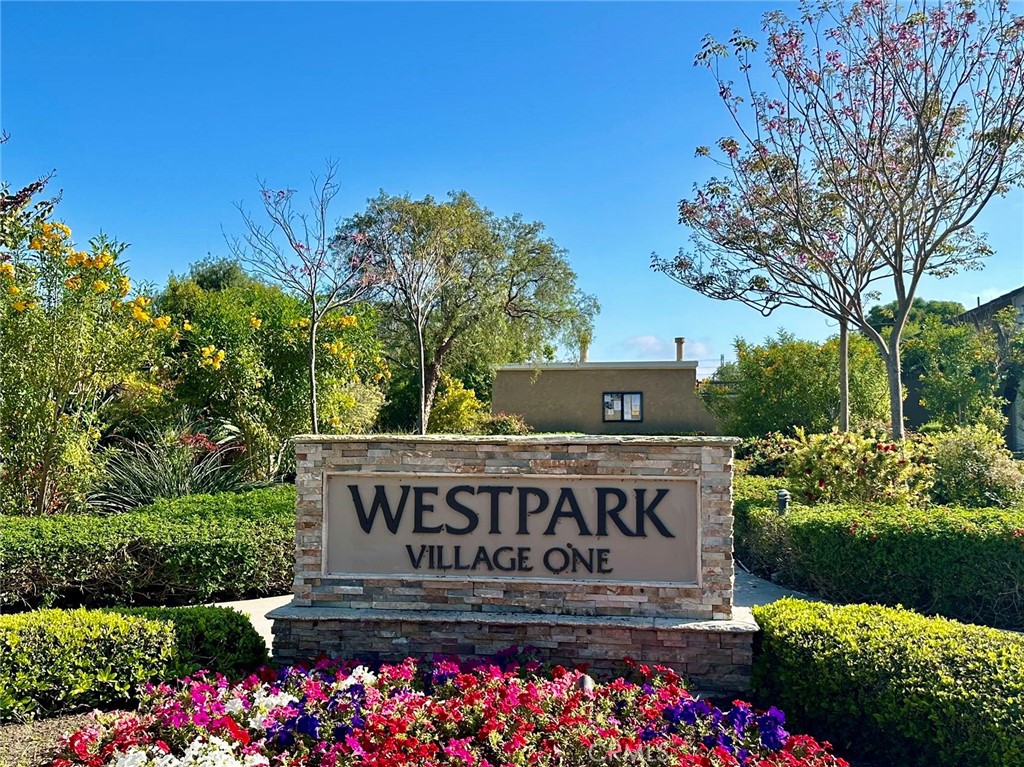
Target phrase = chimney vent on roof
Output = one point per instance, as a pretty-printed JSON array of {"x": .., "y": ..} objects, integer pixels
[{"x": 680, "y": 344}]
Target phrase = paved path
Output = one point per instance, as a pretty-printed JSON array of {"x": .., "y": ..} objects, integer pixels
[
  {"x": 750, "y": 591},
  {"x": 257, "y": 610}
]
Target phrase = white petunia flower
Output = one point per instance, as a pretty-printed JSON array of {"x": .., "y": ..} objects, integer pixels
[
  {"x": 360, "y": 675},
  {"x": 233, "y": 706},
  {"x": 137, "y": 757},
  {"x": 214, "y": 752}
]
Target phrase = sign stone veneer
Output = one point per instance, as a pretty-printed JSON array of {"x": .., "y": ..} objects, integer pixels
[{"x": 693, "y": 628}]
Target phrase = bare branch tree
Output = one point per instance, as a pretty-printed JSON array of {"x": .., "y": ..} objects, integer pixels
[{"x": 294, "y": 251}]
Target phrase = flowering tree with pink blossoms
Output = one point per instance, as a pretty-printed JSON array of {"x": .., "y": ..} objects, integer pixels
[{"x": 884, "y": 131}]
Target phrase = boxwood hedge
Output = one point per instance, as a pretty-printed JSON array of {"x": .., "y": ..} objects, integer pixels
[
  {"x": 893, "y": 685},
  {"x": 58, "y": 661},
  {"x": 183, "y": 551},
  {"x": 966, "y": 564}
]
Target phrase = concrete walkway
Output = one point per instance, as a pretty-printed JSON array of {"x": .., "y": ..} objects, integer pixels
[
  {"x": 257, "y": 610},
  {"x": 749, "y": 592}
]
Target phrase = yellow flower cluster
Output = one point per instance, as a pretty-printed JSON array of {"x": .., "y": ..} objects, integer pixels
[
  {"x": 139, "y": 306},
  {"x": 20, "y": 306},
  {"x": 256, "y": 322},
  {"x": 300, "y": 323},
  {"x": 7, "y": 270},
  {"x": 51, "y": 236},
  {"x": 162, "y": 323},
  {"x": 100, "y": 286},
  {"x": 212, "y": 357},
  {"x": 13, "y": 290},
  {"x": 73, "y": 283},
  {"x": 339, "y": 350},
  {"x": 124, "y": 285},
  {"x": 348, "y": 321},
  {"x": 81, "y": 258},
  {"x": 186, "y": 325}
]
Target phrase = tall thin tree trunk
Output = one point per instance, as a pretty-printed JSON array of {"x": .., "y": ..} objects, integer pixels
[
  {"x": 894, "y": 371},
  {"x": 312, "y": 377},
  {"x": 423, "y": 380},
  {"x": 844, "y": 375},
  {"x": 432, "y": 378}
]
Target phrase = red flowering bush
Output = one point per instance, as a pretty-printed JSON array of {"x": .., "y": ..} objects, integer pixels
[
  {"x": 445, "y": 713},
  {"x": 842, "y": 466}
]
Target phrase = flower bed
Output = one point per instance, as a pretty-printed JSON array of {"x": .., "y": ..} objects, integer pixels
[{"x": 440, "y": 714}]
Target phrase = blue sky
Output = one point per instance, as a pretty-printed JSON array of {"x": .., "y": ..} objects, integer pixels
[{"x": 159, "y": 116}]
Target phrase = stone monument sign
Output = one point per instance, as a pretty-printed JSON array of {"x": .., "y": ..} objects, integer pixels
[
  {"x": 520, "y": 526},
  {"x": 587, "y": 548}
]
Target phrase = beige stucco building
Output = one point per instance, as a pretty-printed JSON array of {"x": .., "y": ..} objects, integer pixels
[{"x": 605, "y": 397}]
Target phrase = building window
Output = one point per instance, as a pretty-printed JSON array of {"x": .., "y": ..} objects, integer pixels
[{"x": 623, "y": 406}]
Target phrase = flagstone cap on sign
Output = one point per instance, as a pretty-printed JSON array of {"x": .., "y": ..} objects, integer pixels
[{"x": 529, "y": 439}]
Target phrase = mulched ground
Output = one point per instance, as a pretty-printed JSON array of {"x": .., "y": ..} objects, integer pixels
[{"x": 34, "y": 744}]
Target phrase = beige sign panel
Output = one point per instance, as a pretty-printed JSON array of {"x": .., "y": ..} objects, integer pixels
[{"x": 616, "y": 529}]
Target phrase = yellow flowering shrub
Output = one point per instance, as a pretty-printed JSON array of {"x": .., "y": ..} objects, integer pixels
[
  {"x": 244, "y": 359},
  {"x": 64, "y": 344}
]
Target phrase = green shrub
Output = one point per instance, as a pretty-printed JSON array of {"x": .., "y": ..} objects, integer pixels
[
  {"x": 900, "y": 687},
  {"x": 58, "y": 661},
  {"x": 758, "y": 530},
  {"x": 784, "y": 383},
  {"x": 844, "y": 466},
  {"x": 966, "y": 564},
  {"x": 352, "y": 407},
  {"x": 499, "y": 424},
  {"x": 456, "y": 410},
  {"x": 766, "y": 456},
  {"x": 183, "y": 551},
  {"x": 55, "y": 661},
  {"x": 973, "y": 468},
  {"x": 216, "y": 639}
]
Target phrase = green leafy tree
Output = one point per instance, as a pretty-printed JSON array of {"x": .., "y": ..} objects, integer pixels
[
  {"x": 69, "y": 337},
  {"x": 456, "y": 282},
  {"x": 882, "y": 316},
  {"x": 785, "y": 384},
  {"x": 957, "y": 368},
  {"x": 240, "y": 355}
]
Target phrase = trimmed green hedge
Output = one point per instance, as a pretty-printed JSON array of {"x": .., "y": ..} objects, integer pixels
[
  {"x": 210, "y": 638},
  {"x": 966, "y": 564},
  {"x": 57, "y": 661},
  {"x": 894, "y": 685},
  {"x": 188, "y": 550}
]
